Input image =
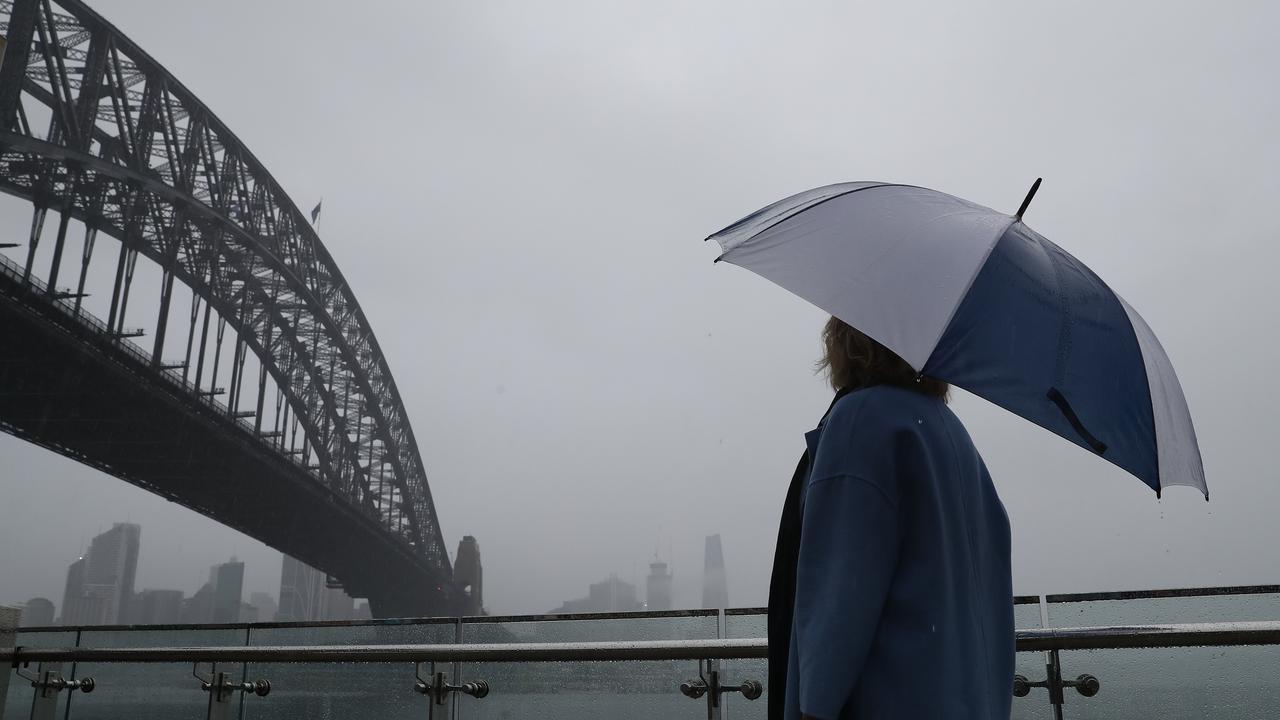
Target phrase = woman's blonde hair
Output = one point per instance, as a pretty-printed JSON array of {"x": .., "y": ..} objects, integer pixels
[{"x": 852, "y": 360}]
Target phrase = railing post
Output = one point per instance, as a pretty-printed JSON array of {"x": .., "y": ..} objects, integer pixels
[
  {"x": 709, "y": 685},
  {"x": 222, "y": 689},
  {"x": 1053, "y": 675},
  {"x": 8, "y": 634},
  {"x": 48, "y": 682},
  {"x": 455, "y": 712},
  {"x": 439, "y": 690},
  {"x": 1087, "y": 685},
  {"x": 44, "y": 701}
]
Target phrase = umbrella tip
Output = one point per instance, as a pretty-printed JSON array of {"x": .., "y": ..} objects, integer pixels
[{"x": 1027, "y": 200}]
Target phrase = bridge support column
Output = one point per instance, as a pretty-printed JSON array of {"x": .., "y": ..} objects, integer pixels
[
  {"x": 90, "y": 238},
  {"x": 162, "y": 321},
  {"x": 33, "y": 240},
  {"x": 64, "y": 218},
  {"x": 13, "y": 65}
]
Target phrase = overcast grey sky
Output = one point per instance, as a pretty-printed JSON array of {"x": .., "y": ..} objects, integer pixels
[{"x": 517, "y": 193}]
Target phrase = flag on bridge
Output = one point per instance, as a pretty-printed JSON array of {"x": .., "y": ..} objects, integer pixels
[{"x": 315, "y": 212}]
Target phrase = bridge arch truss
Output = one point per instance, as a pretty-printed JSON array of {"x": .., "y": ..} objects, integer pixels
[{"x": 93, "y": 129}]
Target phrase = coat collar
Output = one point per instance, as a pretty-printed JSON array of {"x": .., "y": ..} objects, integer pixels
[{"x": 812, "y": 437}]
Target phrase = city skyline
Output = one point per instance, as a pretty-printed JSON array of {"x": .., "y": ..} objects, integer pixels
[
  {"x": 99, "y": 590},
  {"x": 684, "y": 594}
]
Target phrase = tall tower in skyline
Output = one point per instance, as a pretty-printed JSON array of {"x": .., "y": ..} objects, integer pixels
[
  {"x": 301, "y": 591},
  {"x": 304, "y": 595},
  {"x": 469, "y": 574},
  {"x": 657, "y": 586},
  {"x": 73, "y": 592},
  {"x": 100, "y": 584},
  {"x": 228, "y": 588},
  {"x": 715, "y": 586}
]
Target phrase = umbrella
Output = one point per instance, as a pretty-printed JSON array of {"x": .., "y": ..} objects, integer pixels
[{"x": 976, "y": 298}]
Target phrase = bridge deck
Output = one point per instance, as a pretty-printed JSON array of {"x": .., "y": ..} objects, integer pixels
[{"x": 69, "y": 386}]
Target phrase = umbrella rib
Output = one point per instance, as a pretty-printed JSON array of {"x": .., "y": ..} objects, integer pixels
[
  {"x": 805, "y": 209},
  {"x": 1055, "y": 395}
]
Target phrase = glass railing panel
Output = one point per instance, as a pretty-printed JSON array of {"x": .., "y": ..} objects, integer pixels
[
  {"x": 675, "y": 625},
  {"x": 1234, "y": 607},
  {"x": 742, "y": 624},
  {"x": 575, "y": 690},
  {"x": 1034, "y": 706},
  {"x": 635, "y": 690},
  {"x": 339, "y": 691},
  {"x": 149, "y": 691},
  {"x": 1026, "y": 613},
  {"x": 17, "y": 703},
  {"x": 754, "y": 623},
  {"x": 1175, "y": 683}
]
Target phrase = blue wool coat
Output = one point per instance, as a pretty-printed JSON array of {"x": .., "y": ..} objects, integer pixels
[{"x": 903, "y": 605}]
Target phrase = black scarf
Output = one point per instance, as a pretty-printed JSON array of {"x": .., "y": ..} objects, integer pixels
[{"x": 782, "y": 587}]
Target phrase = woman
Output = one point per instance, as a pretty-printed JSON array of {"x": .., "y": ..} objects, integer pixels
[{"x": 891, "y": 594}]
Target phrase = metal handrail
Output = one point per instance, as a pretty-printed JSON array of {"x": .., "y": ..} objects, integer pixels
[{"x": 1085, "y": 638}]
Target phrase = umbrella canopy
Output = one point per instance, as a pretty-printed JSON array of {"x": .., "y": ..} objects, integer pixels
[{"x": 978, "y": 299}]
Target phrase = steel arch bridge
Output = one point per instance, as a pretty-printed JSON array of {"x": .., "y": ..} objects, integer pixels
[{"x": 312, "y": 454}]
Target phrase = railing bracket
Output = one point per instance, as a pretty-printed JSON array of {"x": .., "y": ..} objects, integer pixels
[
  {"x": 708, "y": 684},
  {"x": 222, "y": 688}
]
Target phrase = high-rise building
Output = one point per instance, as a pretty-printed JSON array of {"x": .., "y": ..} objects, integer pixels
[
  {"x": 469, "y": 575},
  {"x": 198, "y": 608},
  {"x": 218, "y": 600},
  {"x": 100, "y": 584},
  {"x": 306, "y": 597},
  {"x": 363, "y": 611},
  {"x": 158, "y": 607},
  {"x": 715, "y": 586},
  {"x": 265, "y": 606},
  {"x": 38, "y": 612},
  {"x": 611, "y": 595},
  {"x": 337, "y": 605},
  {"x": 301, "y": 592},
  {"x": 73, "y": 593},
  {"x": 657, "y": 586},
  {"x": 228, "y": 587}
]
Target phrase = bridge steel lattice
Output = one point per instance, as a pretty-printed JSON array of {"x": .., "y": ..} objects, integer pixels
[{"x": 94, "y": 130}]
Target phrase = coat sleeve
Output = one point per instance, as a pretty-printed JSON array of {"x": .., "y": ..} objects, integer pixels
[{"x": 848, "y": 552}]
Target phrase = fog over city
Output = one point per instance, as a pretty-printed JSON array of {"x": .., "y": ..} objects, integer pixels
[{"x": 517, "y": 195}]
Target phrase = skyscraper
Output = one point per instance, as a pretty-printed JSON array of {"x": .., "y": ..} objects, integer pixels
[
  {"x": 611, "y": 595},
  {"x": 73, "y": 593},
  {"x": 100, "y": 584},
  {"x": 38, "y": 612},
  {"x": 265, "y": 605},
  {"x": 158, "y": 607},
  {"x": 217, "y": 601},
  {"x": 305, "y": 597},
  {"x": 658, "y": 586},
  {"x": 301, "y": 592},
  {"x": 468, "y": 573},
  {"x": 228, "y": 586},
  {"x": 715, "y": 586}
]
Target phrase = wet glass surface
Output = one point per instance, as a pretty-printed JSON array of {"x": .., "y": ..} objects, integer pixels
[
  {"x": 149, "y": 691},
  {"x": 649, "y": 689},
  {"x": 336, "y": 691}
]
